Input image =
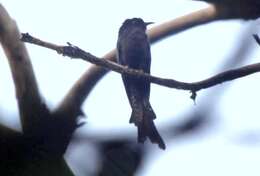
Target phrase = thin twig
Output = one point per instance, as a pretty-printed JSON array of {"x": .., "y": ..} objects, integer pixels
[
  {"x": 82, "y": 88},
  {"x": 77, "y": 53},
  {"x": 85, "y": 84}
]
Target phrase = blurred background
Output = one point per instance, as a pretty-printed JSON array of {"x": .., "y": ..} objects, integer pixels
[{"x": 219, "y": 134}]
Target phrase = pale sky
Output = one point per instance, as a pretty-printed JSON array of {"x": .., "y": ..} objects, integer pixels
[{"x": 189, "y": 56}]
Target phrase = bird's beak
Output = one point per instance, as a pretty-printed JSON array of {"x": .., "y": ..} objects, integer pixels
[{"x": 148, "y": 23}]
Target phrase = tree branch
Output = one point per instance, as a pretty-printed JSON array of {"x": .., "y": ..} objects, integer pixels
[
  {"x": 27, "y": 93},
  {"x": 39, "y": 149},
  {"x": 77, "y": 53},
  {"x": 243, "y": 9},
  {"x": 82, "y": 88}
]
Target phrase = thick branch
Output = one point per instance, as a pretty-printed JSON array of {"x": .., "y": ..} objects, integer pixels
[
  {"x": 242, "y": 9},
  {"x": 29, "y": 100},
  {"x": 77, "y": 53},
  {"x": 82, "y": 88}
]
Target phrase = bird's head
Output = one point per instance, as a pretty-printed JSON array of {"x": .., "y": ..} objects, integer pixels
[{"x": 134, "y": 23}]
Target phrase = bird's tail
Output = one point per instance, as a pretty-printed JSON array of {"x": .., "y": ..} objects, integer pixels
[{"x": 143, "y": 118}]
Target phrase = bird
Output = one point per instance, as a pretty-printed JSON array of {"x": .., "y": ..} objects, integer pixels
[{"x": 133, "y": 51}]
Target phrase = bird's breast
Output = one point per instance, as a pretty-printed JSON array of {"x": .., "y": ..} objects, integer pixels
[{"x": 137, "y": 48}]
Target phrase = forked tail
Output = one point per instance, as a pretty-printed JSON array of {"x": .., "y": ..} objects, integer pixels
[{"x": 143, "y": 119}]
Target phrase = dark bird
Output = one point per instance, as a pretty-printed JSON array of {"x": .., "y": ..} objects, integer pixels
[{"x": 133, "y": 51}]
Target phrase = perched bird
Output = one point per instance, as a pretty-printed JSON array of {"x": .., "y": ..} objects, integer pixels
[{"x": 133, "y": 51}]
